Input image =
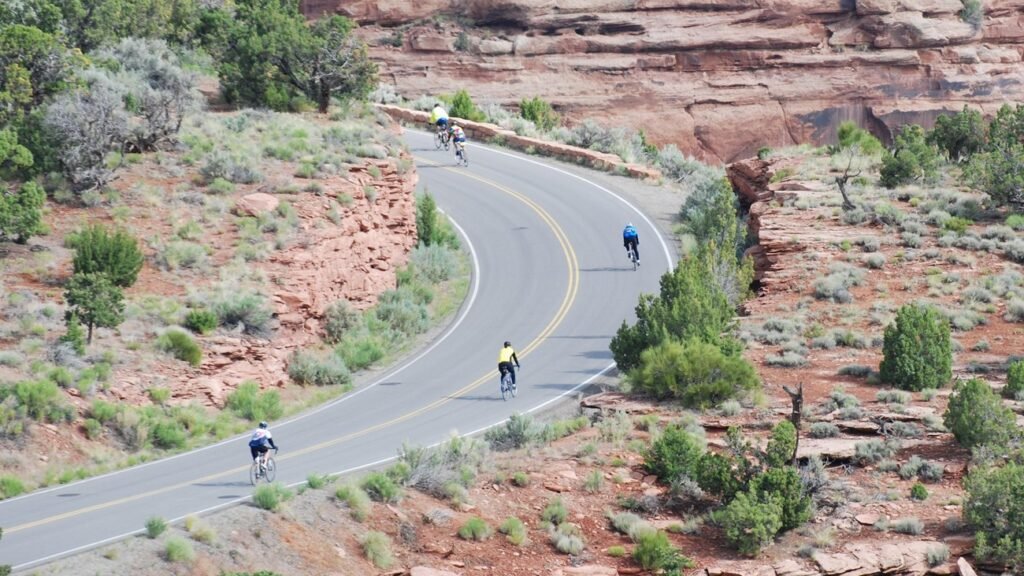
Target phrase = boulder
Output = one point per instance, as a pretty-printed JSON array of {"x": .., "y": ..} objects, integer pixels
[{"x": 256, "y": 204}]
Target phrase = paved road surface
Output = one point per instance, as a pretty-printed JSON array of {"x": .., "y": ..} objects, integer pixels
[{"x": 550, "y": 275}]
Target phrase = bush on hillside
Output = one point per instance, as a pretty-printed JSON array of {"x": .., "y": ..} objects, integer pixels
[
  {"x": 784, "y": 485},
  {"x": 959, "y": 135},
  {"x": 318, "y": 369},
  {"x": 181, "y": 346},
  {"x": 917, "y": 351},
  {"x": 696, "y": 373},
  {"x": 995, "y": 509},
  {"x": 201, "y": 321},
  {"x": 1014, "y": 380},
  {"x": 539, "y": 112},
  {"x": 340, "y": 319},
  {"x": 749, "y": 523},
  {"x": 675, "y": 453},
  {"x": 782, "y": 446},
  {"x": 911, "y": 159},
  {"x": 95, "y": 300},
  {"x": 977, "y": 417},
  {"x": 462, "y": 106},
  {"x": 115, "y": 253},
  {"x": 21, "y": 211},
  {"x": 248, "y": 402}
]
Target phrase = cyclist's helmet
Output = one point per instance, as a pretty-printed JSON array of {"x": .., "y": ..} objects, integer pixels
[
  {"x": 438, "y": 105},
  {"x": 507, "y": 343},
  {"x": 263, "y": 424},
  {"x": 628, "y": 224}
]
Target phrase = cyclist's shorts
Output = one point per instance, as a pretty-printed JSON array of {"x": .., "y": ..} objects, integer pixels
[
  {"x": 460, "y": 140},
  {"x": 442, "y": 122}
]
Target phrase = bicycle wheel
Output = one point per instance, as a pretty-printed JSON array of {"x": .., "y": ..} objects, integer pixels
[
  {"x": 465, "y": 157},
  {"x": 438, "y": 140},
  {"x": 253, "y": 471},
  {"x": 633, "y": 258},
  {"x": 513, "y": 388},
  {"x": 506, "y": 385},
  {"x": 271, "y": 472},
  {"x": 447, "y": 139}
]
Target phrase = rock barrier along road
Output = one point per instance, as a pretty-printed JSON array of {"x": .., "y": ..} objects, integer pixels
[{"x": 550, "y": 274}]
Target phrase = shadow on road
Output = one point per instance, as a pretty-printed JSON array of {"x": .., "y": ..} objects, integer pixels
[{"x": 608, "y": 269}]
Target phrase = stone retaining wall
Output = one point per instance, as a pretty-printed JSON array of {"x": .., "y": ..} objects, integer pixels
[{"x": 492, "y": 133}]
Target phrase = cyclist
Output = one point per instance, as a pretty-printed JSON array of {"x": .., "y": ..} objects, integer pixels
[
  {"x": 506, "y": 357},
  {"x": 458, "y": 136},
  {"x": 258, "y": 444},
  {"x": 630, "y": 239},
  {"x": 439, "y": 118}
]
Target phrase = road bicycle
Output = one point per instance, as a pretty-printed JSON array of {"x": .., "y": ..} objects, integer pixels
[
  {"x": 263, "y": 468},
  {"x": 633, "y": 257},
  {"x": 508, "y": 386},
  {"x": 441, "y": 138},
  {"x": 461, "y": 158}
]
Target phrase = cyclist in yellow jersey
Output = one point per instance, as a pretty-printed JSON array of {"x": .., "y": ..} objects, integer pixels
[
  {"x": 506, "y": 357},
  {"x": 439, "y": 117}
]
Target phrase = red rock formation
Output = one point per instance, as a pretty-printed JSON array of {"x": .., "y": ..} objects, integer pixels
[
  {"x": 353, "y": 260},
  {"x": 720, "y": 78}
]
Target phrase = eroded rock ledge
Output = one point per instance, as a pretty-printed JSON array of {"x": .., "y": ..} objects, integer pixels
[{"x": 720, "y": 78}]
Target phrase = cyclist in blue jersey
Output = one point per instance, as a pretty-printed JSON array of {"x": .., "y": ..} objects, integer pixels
[{"x": 630, "y": 240}]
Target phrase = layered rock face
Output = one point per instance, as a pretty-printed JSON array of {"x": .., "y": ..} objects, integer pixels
[{"x": 720, "y": 78}]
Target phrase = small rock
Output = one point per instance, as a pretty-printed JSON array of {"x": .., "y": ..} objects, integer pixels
[{"x": 867, "y": 519}]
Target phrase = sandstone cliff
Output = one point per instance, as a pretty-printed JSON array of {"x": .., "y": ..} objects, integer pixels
[{"x": 720, "y": 78}]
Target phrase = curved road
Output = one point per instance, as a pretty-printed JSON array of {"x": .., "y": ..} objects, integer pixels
[{"x": 550, "y": 274}]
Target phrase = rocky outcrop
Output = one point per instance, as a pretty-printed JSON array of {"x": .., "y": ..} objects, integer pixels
[
  {"x": 719, "y": 78},
  {"x": 351, "y": 239}
]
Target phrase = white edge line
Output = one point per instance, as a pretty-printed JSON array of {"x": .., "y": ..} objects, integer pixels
[
  {"x": 451, "y": 329},
  {"x": 205, "y": 511},
  {"x": 525, "y": 158}
]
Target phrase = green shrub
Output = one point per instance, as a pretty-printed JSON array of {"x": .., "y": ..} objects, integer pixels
[
  {"x": 317, "y": 481},
  {"x": 10, "y": 486},
  {"x": 75, "y": 335},
  {"x": 318, "y": 369},
  {"x": 918, "y": 491},
  {"x": 201, "y": 321},
  {"x": 40, "y": 400},
  {"x": 521, "y": 479},
  {"x": 594, "y": 481},
  {"x": 340, "y": 320},
  {"x": 234, "y": 306},
  {"x": 181, "y": 346},
  {"x": 917, "y": 351},
  {"x": 957, "y": 224},
  {"x": 697, "y": 373},
  {"x": 750, "y": 524},
  {"x": 977, "y": 417},
  {"x": 783, "y": 485},
  {"x": 1014, "y": 380},
  {"x": 248, "y": 402},
  {"x": 115, "y": 254},
  {"x": 462, "y": 106},
  {"x": 95, "y": 300},
  {"x": 271, "y": 496},
  {"x": 380, "y": 487},
  {"x": 514, "y": 529},
  {"x": 377, "y": 548},
  {"x": 93, "y": 428},
  {"x": 994, "y": 507},
  {"x": 911, "y": 159},
  {"x": 654, "y": 552},
  {"x": 911, "y": 526},
  {"x": 567, "y": 539},
  {"x": 539, "y": 112},
  {"x": 169, "y": 435},
  {"x": 555, "y": 512},
  {"x": 893, "y": 396},
  {"x": 518, "y": 431},
  {"x": 102, "y": 411},
  {"x": 177, "y": 549},
  {"x": 873, "y": 451},
  {"x": 475, "y": 529},
  {"x": 356, "y": 499},
  {"x": 628, "y": 523},
  {"x": 155, "y": 526},
  {"x": 782, "y": 445},
  {"x": 962, "y": 134},
  {"x": 159, "y": 395},
  {"x": 673, "y": 454},
  {"x": 616, "y": 551},
  {"x": 434, "y": 263},
  {"x": 823, "y": 430}
]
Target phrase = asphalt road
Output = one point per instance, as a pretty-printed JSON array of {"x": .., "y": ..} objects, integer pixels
[{"x": 550, "y": 274}]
